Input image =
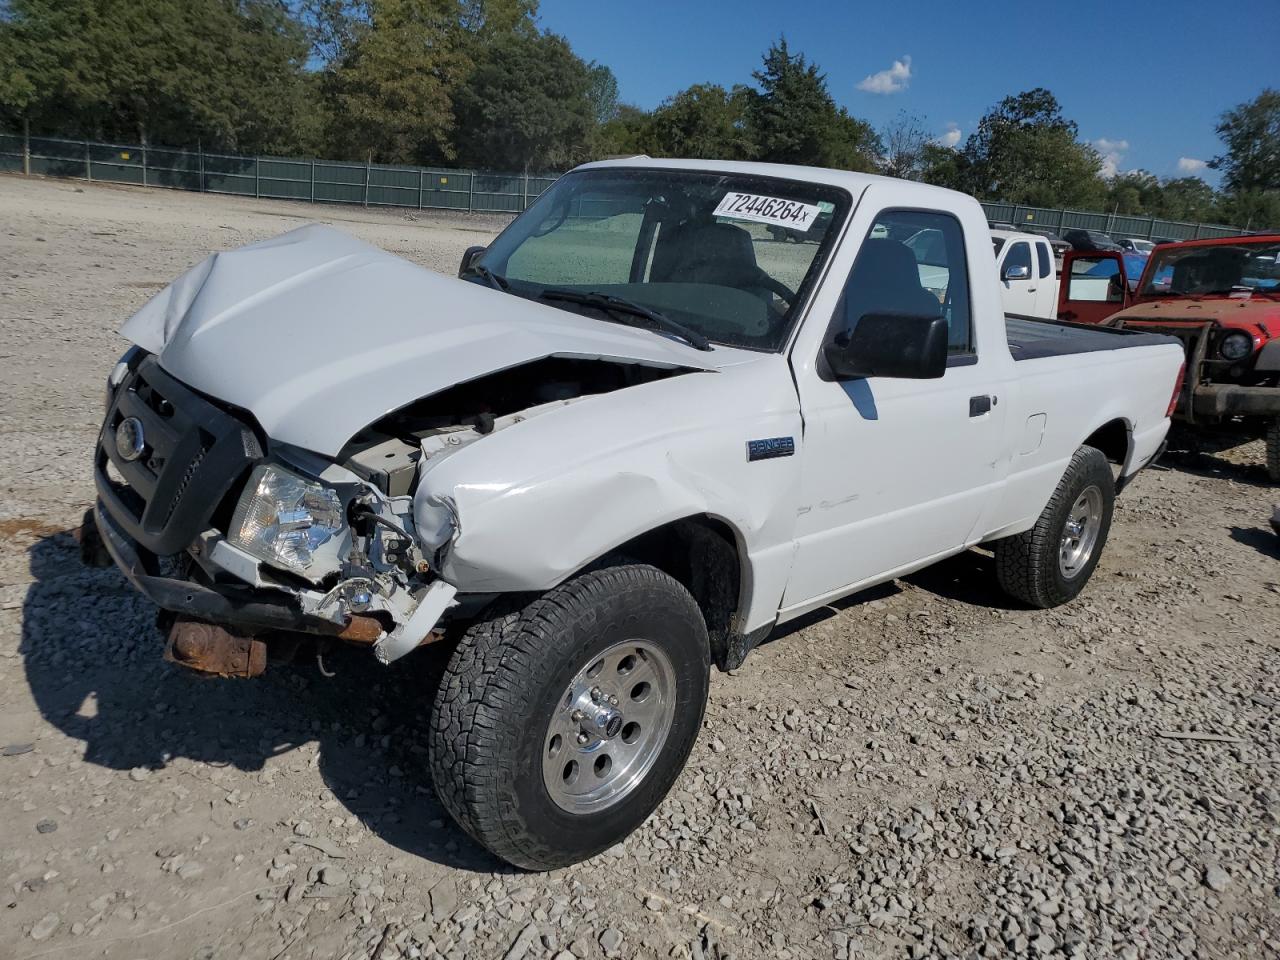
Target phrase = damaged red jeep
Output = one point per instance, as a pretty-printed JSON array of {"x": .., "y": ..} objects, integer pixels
[{"x": 1221, "y": 298}]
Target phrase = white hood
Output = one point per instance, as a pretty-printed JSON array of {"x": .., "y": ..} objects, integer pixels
[{"x": 319, "y": 334}]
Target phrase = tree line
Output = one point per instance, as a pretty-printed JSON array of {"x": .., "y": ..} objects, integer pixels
[{"x": 477, "y": 83}]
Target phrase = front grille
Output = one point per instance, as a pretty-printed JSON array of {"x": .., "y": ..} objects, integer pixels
[{"x": 193, "y": 452}]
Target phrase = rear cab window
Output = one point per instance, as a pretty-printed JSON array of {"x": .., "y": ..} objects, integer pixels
[{"x": 1045, "y": 257}]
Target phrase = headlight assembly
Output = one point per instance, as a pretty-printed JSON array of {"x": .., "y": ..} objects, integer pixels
[
  {"x": 1235, "y": 346},
  {"x": 282, "y": 518}
]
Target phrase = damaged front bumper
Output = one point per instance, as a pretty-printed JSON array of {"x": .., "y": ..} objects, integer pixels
[{"x": 256, "y": 609}]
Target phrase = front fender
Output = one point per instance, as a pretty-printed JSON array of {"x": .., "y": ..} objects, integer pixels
[{"x": 544, "y": 498}]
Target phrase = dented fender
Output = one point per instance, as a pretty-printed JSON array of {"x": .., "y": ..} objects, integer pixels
[{"x": 544, "y": 498}]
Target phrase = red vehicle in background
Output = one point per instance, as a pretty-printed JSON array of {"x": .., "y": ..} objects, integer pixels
[{"x": 1221, "y": 297}]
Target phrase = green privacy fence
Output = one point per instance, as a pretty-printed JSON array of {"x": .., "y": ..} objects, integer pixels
[
  {"x": 423, "y": 188},
  {"x": 317, "y": 181},
  {"x": 1117, "y": 225}
]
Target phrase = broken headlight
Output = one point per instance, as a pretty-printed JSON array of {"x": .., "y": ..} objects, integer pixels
[{"x": 282, "y": 518}]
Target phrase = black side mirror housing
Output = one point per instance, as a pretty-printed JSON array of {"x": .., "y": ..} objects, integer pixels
[
  {"x": 890, "y": 345},
  {"x": 470, "y": 256}
]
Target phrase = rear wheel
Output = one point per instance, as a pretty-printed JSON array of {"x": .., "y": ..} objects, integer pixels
[
  {"x": 1050, "y": 563},
  {"x": 562, "y": 722}
]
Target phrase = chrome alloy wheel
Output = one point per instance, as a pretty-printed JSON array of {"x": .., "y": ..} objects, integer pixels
[
  {"x": 608, "y": 727},
  {"x": 1080, "y": 534}
]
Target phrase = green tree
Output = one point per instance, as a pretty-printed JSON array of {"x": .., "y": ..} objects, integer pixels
[
  {"x": 390, "y": 93},
  {"x": 1025, "y": 151},
  {"x": 627, "y": 134},
  {"x": 526, "y": 105},
  {"x": 166, "y": 71},
  {"x": 1188, "y": 198},
  {"x": 1134, "y": 192},
  {"x": 602, "y": 91},
  {"x": 793, "y": 118},
  {"x": 1251, "y": 134},
  {"x": 702, "y": 121},
  {"x": 944, "y": 167}
]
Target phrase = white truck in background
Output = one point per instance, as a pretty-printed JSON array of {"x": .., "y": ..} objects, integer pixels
[
  {"x": 636, "y": 435},
  {"x": 1028, "y": 274}
]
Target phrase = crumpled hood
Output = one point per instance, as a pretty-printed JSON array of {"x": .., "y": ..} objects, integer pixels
[{"x": 319, "y": 334}]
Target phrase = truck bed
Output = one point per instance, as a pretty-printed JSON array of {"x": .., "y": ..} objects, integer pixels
[{"x": 1033, "y": 338}]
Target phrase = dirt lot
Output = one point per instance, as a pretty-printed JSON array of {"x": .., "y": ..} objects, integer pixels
[{"x": 925, "y": 771}]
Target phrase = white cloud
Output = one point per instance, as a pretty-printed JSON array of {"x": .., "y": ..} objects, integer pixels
[
  {"x": 1112, "y": 152},
  {"x": 951, "y": 136},
  {"x": 893, "y": 80},
  {"x": 1191, "y": 165}
]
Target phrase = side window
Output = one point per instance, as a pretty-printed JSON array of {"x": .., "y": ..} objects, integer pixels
[
  {"x": 1019, "y": 256},
  {"x": 912, "y": 262},
  {"x": 1096, "y": 279},
  {"x": 1046, "y": 261}
]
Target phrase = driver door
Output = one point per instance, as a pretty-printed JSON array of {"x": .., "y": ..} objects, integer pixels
[{"x": 896, "y": 472}]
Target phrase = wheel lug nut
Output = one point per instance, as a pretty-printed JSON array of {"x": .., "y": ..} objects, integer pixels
[
  {"x": 583, "y": 738},
  {"x": 596, "y": 694},
  {"x": 613, "y": 700},
  {"x": 576, "y": 716}
]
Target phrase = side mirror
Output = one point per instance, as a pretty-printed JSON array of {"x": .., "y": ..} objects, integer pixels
[
  {"x": 470, "y": 256},
  {"x": 1016, "y": 271},
  {"x": 890, "y": 345}
]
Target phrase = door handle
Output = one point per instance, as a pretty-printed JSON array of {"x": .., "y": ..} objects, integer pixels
[{"x": 980, "y": 405}]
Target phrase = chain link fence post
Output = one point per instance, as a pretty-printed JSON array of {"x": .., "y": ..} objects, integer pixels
[
  {"x": 471, "y": 191},
  {"x": 367, "y": 164},
  {"x": 420, "y": 172},
  {"x": 26, "y": 147},
  {"x": 313, "y": 179},
  {"x": 144, "y": 161},
  {"x": 200, "y": 165},
  {"x": 88, "y": 165}
]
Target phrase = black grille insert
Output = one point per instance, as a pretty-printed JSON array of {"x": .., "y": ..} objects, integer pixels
[{"x": 193, "y": 452}]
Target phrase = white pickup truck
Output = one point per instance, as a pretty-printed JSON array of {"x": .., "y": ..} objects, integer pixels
[
  {"x": 1028, "y": 274},
  {"x": 638, "y": 434}
]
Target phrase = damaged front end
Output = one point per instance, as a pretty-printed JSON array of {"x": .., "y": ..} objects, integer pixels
[
  {"x": 248, "y": 544},
  {"x": 218, "y": 527}
]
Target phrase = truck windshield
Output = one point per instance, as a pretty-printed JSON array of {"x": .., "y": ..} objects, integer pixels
[
  {"x": 1242, "y": 269},
  {"x": 728, "y": 257}
]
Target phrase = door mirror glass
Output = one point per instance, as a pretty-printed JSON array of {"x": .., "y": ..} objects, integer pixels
[
  {"x": 890, "y": 345},
  {"x": 470, "y": 256},
  {"x": 1016, "y": 271}
]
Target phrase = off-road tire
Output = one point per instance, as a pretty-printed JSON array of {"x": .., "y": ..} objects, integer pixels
[
  {"x": 507, "y": 675},
  {"x": 1027, "y": 566},
  {"x": 1273, "y": 450}
]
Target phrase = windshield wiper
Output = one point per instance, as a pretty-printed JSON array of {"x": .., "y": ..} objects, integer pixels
[
  {"x": 621, "y": 309},
  {"x": 495, "y": 280}
]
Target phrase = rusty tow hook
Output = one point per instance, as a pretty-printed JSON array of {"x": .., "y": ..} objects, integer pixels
[{"x": 211, "y": 649}]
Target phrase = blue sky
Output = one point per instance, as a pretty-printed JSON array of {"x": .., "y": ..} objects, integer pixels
[{"x": 1145, "y": 81}]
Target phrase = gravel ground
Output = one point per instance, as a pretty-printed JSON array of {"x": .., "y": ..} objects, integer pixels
[{"x": 921, "y": 771}]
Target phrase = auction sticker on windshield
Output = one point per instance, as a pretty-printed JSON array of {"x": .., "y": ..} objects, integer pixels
[{"x": 775, "y": 210}]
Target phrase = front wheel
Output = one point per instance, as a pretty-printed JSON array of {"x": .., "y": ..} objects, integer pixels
[
  {"x": 561, "y": 723},
  {"x": 1050, "y": 563}
]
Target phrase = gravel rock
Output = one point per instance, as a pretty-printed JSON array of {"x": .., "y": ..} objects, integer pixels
[{"x": 44, "y": 927}]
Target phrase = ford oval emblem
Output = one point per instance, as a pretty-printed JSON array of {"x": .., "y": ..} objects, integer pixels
[{"x": 130, "y": 441}]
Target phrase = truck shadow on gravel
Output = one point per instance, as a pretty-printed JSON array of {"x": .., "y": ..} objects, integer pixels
[{"x": 92, "y": 657}]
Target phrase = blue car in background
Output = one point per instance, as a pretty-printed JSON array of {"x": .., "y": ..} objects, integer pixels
[{"x": 1134, "y": 264}]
